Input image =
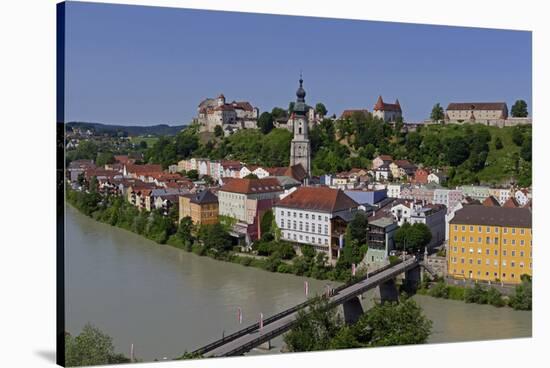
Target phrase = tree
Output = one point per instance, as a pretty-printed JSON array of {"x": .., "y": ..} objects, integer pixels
[
  {"x": 519, "y": 109},
  {"x": 215, "y": 237},
  {"x": 517, "y": 136},
  {"x": 192, "y": 174},
  {"x": 522, "y": 298},
  {"x": 314, "y": 329},
  {"x": 218, "y": 131},
  {"x": 356, "y": 230},
  {"x": 104, "y": 158},
  {"x": 266, "y": 222},
  {"x": 389, "y": 324},
  {"x": 265, "y": 122},
  {"x": 251, "y": 176},
  {"x": 498, "y": 143},
  {"x": 320, "y": 109},
  {"x": 91, "y": 347},
  {"x": 526, "y": 149},
  {"x": 142, "y": 145},
  {"x": 413, "y": 237},
  {"x": 278, "y": 113},
  {"x": 185, "y": 230},
  {"x": 437, "y": 113}
]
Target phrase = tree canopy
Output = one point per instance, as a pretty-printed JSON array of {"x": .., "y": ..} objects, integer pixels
[
  {"x": 519, "y": 109},
  {"x": 413, "y": 237},
  {"x": 437, "y": 113}
]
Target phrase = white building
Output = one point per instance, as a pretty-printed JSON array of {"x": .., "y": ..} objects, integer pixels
[
  {"x": 394, "y": 190},
  {"x": 235, "y": 193},
  {"x": 317, "y": 216},
  {"x": 387, "y": 112}
]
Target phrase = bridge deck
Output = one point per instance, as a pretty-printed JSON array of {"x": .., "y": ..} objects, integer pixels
[{"x": 254, "y": 338}]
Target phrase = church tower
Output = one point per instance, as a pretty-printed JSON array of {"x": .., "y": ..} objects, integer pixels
[{"x": 300, "y": 149}]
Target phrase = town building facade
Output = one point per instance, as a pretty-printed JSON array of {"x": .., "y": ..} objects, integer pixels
[{"x": 490, "y": 244}]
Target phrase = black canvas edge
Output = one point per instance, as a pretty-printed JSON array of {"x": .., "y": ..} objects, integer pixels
[{"x": 60, "y": 185}]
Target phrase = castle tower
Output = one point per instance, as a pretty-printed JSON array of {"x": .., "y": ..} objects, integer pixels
[{"x": 300, "y": 149}]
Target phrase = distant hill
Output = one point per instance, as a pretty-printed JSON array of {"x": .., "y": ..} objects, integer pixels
[{"x": 130, "y": 130}]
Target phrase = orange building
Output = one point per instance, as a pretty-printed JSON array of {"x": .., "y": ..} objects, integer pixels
[
  {"x": 490, "y": 244},
  {"x": 201, "y": 207}
]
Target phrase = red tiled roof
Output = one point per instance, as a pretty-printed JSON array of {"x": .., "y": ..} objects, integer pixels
[
  {"x": 382, "y": 106},
  {"x": 477, "y": 106},
  {"x": 243, "y": 105},
  {"x": 349, "y": 113},
  {"x": 251, "y": 186},
  {"x": 491, "y": 202},
  {"x": 141, "y": 169},
  {"x": 323, "y": 199},
  {"x": 511, "y": 203}
]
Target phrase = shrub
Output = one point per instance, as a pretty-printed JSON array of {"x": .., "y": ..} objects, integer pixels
[
  {"x": 475, "y": 295},
  {"x": 439, "y": 290},
  {"x": 456, "y": 293},
  {"x": 494, "y": 297}
]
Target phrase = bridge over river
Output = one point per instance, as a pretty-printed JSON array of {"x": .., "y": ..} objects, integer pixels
[{"x": 253, "y": 336}]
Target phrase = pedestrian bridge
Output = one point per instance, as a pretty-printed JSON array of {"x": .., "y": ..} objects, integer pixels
[{"x": 252, "y": 336}]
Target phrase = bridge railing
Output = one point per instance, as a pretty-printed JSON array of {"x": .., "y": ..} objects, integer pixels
[{"x": 215, "y": 344}]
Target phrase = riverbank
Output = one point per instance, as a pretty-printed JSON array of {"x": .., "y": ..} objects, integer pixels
[
  {"x": 115, "y": 211},
  {"x": 521, "y": 299}
]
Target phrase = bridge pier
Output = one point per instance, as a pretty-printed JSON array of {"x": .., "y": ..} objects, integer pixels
[
  {"x": 353, "y": 310},
  {"x": 412, "y": 279},
  {"x": 388, "y": 292},
  {"x": 266, "y": 345}
]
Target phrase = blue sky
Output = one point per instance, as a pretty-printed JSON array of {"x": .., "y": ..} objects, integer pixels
[{"x": 148, "y": 65}]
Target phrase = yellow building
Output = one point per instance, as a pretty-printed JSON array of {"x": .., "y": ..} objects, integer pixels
[
  {"x": 490, "y": 244},
  {"x": 201, "y": 207}
]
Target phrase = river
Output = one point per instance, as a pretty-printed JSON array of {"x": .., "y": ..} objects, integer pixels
[{"x": 167, "y": 301}]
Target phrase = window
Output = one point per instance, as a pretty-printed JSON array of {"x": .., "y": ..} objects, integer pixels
[
  {"x": 513, "y": 264},
  {"x": 307, "y": 238},
  {"x": 326, "y": 229},
  {"x": 461, "y": 260},
  {"x": 488, "y": 240},
  {"x": 471, "y": 228},
  {"x": 495, "y": 263},
  {"x": 504, "y": 253},
  {"x": 513, "y": 241},
  {"x": 522, "y": 231},
  {"x": 487, "y": 251},
  {"x": 294, "y": 224},
  {"x": 479, "y": 239},
  {"x": 505, "y": 230},
  {"x": 471, "y": 239},
  {"x": 478, "y": 250},
  {"x": 462, "y": 249},
  {"x": 513, "y": 230},
  {"x": 326, "y": 241},
  {"x": 463, "y": 228},
  {"x": 294, "y": 214},
  {"x": 470, "y": 261},
  {"x": 496, "y": 241},
  {"x": 496, "y": 252},
  {"x": 301, "y": 237},
  {"x": 504, "y": 263},
  {"x": 307, "y": 216},
  {"x": 463, "y": 239},
  {"x": 488, "y": 229},
  {"x": 521, "y": 242},
  {"x": 319, "y": 217},
  {"x": 456, "y": 238},
  {"x": 471, "y": 250},
  {"x": 522, "y": 254},
  {"x": 456, "y": 227},
  {"x": 487, "y": 261},
  {"x": 294, "y": 236},
  {"x": 479, "y": 229},
  {"x": 504, "y": 241},
  {"x": 307, "y": 227},
  {"x": 479, "y": 261},
  {"x": 300, "y": 225},
  {"x": 496, "y": 230},
  {"x": 300, "y": 214},
  {"x": 513, "y": 253},
  {"x": 288, "y": 213}
]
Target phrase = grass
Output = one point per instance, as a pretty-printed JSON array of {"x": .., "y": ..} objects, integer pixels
[{"x": 149, "y": 140}]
